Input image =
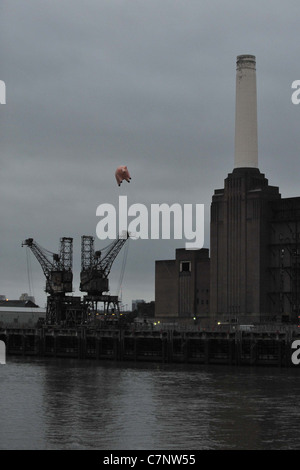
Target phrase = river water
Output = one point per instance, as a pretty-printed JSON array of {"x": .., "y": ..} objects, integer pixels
[{"x": 72, "y": 404}]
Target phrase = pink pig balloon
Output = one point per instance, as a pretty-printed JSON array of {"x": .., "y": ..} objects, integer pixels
[{"x": 121, "y": 174}]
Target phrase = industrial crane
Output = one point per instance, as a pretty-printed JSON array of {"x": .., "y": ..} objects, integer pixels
[
  {"x": 95, "y": 269},
  {"x": 58, "y": 272},
  {"x": 59, "y": 279}
]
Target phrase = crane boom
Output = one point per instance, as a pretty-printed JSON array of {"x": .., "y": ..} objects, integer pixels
[
  {"x": 58, "y": 272},
  {"x": 105, "y": 263},
  {"x": 39, "y": 253}
]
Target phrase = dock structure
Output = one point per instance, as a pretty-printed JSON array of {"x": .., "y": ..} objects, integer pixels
[{"x": 267, "y": 346}]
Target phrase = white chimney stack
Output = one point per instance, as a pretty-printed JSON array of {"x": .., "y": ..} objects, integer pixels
[{"x": 246, "y": 154}]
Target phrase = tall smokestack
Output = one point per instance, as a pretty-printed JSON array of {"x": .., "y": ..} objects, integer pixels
[{"x": 246, "y": 154}]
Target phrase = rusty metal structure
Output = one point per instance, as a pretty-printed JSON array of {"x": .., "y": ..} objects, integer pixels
[
  {"x": 63, "y": 309},
  {"x": 57, "y": 268},
  {"x": 95, "y": 269}
]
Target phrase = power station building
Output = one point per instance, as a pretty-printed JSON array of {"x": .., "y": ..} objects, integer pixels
[
  {"x": 182, "y": 285},
  {"x": 254, "y": 268}
]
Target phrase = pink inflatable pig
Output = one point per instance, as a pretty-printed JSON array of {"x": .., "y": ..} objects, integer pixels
[{"x": 121, "y": 174}]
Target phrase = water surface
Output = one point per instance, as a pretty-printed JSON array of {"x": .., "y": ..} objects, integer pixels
[{"x": 73, "y": 404}]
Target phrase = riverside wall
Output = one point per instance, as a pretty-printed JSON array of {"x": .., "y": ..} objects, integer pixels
[{"x": 264, "y": 345}]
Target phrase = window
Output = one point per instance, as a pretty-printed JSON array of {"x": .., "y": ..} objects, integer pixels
[{"x": 185, "y": 266}]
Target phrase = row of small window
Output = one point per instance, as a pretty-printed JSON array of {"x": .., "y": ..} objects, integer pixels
[{"x": 202, "y": 302}]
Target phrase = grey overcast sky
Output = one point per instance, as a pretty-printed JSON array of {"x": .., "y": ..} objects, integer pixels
[{"x": 91, "y": 85}]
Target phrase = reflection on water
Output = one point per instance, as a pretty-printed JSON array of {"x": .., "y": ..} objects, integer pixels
[{"x": 70, "y": 404}]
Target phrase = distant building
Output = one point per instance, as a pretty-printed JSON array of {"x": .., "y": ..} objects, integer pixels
[
  {"x": 22, "y": 312},
  {"x": 18, "y": 303},
  {"x": 27, "y": 297},
  {"x": 134, "y": 304},
  {"x": 182, "y": 285}
]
